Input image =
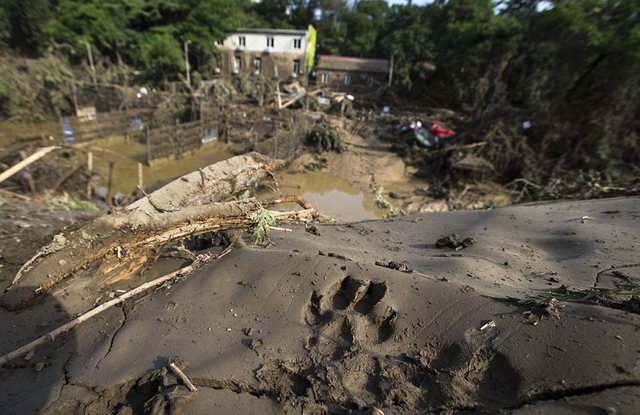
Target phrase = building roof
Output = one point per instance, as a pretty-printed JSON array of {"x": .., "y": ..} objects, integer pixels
[
  {"x": 349, "y": 63},
  {"x": 273, "y": 31}
]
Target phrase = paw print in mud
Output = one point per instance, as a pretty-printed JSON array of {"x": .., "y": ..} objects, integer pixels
[
  {"x": 352, "y": 364},
  {"x": 349, "y": 315}
]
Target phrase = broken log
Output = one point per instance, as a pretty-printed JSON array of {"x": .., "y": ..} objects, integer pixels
[{"x": 114, "y": 247}]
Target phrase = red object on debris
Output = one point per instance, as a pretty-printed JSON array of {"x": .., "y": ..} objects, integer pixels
[{"x": 438, "y": 128}]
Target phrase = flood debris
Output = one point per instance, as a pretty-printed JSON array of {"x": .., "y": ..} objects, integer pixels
[
  {"x": 454, "y": 242},
  {"x": 312, "y": 229},
  {"x": 182, "y": 377},
  {"x": 26, "y": 162},
  {"x": 487, "y": 325},
  {"x": 398, "y": 266},
  {"x": 118, "y": 246}
]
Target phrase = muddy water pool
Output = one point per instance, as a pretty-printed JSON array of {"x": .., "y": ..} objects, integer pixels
[{"x": 330, "y": 195}]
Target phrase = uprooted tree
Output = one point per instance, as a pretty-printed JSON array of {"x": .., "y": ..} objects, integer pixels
[{"x": 117, "y": 246}]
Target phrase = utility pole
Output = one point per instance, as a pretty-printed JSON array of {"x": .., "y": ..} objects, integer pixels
[
  {"x": 391, "y": 70},
  {"x": 90, "y": 55},
  {"x": 275, "y": 69},
  {"x": 186, "y": 61}
]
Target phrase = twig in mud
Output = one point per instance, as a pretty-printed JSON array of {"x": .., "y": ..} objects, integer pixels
[
  {"x": 182, "y": 377},
  {"x": 183, "y": 272},
  {"x": 395, "y": 266},
  {"x": 548, "y": 301}
]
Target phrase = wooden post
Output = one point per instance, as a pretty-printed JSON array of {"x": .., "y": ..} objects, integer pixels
[
  {"x": 148, "y": 147},
  {"x": 32, "y": 186},
  {"x": 112, "y": 164},
  {"x": 177, "y": 138},
  {"x": 75, "y": 97},
  {"x": 90, "y": 171},
  {"x": 275, "y": 147},
  {"x": 140, "y": 181}
]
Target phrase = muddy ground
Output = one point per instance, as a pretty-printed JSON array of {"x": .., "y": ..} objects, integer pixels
[
  {"x": 336, "y": 322},
  {"x": 357, "y": 317}
]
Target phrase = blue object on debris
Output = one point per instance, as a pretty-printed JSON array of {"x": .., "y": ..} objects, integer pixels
[{"x": 67, "y": 131}]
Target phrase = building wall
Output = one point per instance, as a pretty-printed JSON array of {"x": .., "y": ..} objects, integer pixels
[
  {"x": 268, "y": 62},
  {"x": 257, "y": 42},
  {"x": 356, "y": 78},
  {"x": 283, "y": 49}
]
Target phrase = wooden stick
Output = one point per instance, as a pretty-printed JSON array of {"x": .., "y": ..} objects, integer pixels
[
  {"x": 97, "y": 310},
  {"x": 182, "y": 377},
  {"x": 26, "y": 162},
  {"x": 110, "y": 186},
  {"x": 65, "y": 177},
  {"x": 90, "y": 172},
  {"x": 277, "y": 228},
  {"x": 286, "y": 199},
  {"x": 13, "y": 194},
  {"x": 140, "y": 181}
]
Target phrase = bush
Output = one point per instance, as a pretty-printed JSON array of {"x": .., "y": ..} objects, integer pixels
[{"x": 325, "y": 137}]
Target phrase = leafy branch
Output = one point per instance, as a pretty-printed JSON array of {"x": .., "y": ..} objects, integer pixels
[{"x": 261, "y": 223}]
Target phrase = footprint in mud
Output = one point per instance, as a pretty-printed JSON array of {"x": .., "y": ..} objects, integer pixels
[
  {"x": 347, "y": 367},
  {"x": 453, "y": 374},
  {"x": 351, "y": 313}
]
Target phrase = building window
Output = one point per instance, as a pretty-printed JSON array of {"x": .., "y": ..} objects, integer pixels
[
  {"x": 297, "y": 43},
  {"x": 370, "y": 81},
  {"x": 237, "y": 64},
  {"x": 296, "y": 66},
  {"x": 220, "y": 42},
  {"x": 242, "y": 41},
  {"x": 257, "y": 63},
  {"x": 347, "y": 79},
  {"x": 325, "y": 78},
  {"x": 270, "y": 41}
]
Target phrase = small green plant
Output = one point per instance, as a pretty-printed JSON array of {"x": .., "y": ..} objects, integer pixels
[
  {"x": 379, "y": 200},
  {"x": 78, "y": 204},
  {"x": 261, "y": 223}
]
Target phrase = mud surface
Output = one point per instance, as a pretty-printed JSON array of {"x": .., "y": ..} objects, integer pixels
[{"x": 289, "y": 329}]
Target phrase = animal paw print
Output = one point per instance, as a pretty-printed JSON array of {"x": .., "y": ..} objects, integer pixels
[{"x": 350, "y": 314}]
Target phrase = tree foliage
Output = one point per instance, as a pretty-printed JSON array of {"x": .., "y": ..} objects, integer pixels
[{"x": 571, "y": 67}]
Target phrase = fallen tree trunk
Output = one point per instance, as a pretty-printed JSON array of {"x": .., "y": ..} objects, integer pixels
[{"x": 114, "y": 247}]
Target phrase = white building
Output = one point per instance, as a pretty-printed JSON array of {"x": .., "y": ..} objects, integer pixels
[{"x": 268, "y": 52}]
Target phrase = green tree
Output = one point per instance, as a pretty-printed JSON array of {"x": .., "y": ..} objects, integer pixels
[
  {"x": 364, "y": 26},
  {"x": 159, "y": 54},
  {"x": 25, "y": 20}
]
